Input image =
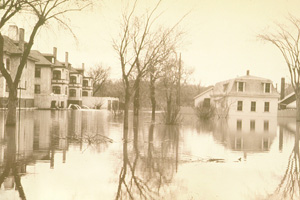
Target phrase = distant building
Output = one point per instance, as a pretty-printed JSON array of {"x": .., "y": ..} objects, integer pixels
[
  {"x": 246, "y": 95},
  {"x": 75, "y": 86},
  {"x": 51, "y": 80},
  {"x": 46, "y": 82}
]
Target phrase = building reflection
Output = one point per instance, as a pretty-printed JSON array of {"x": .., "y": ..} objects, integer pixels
[
  {"x": 40, "y": 137},
  {"x": 148, "y": 169},
  {"x": 246, "y": 134}
]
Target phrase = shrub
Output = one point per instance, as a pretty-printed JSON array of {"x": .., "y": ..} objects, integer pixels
[{"x": 205, "y": 112}]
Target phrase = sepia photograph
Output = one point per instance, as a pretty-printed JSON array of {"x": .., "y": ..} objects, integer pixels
[{"x": 149, "y": 100}]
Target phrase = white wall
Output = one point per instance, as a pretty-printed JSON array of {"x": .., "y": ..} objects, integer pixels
[
  {"x": 92, "y": 101},
  {"x": 260, "y": 102}
]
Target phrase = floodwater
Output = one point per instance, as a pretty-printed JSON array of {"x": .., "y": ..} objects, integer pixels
[{"x": 83, "y": 155}]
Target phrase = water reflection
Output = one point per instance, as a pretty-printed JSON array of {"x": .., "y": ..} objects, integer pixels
[
  {"x": 147, "y": 169},
  {"x": 86, "y": 155},
  {"x": 289, "y": 187},
  {"x": 12, "y": 165},
  {"x": 246, "y": 134},
  {"x": 40, "y": 136}
]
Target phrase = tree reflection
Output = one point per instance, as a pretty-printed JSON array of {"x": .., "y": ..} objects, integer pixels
[
  {"x": 147, "y": 168},
  {"x": 12, "y": 166},
  {"x": 289, "y": 187}
]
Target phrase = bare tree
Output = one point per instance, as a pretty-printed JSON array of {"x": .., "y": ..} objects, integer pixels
[
  {"x": 141, "y": 48},
  {"x": 131, "y": 50},
  {"x": 44, "y": 11},
  {"x": 286, "y": 39},
  {"x": 100, "y": 75},
  {"x": 174, "y": 75}
]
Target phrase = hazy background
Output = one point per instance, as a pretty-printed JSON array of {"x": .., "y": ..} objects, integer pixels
[{"x": 220, "y": 41}]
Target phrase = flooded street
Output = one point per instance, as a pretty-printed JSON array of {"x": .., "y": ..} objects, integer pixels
[{"x": 80, "y": 155}]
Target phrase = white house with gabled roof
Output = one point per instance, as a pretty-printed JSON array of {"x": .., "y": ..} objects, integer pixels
[{"x": 242, "y": 96}]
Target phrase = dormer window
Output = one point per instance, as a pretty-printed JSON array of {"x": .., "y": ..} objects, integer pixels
[
  {"x": 267, "y": 87},
  {"x": 240, "y": 86}
]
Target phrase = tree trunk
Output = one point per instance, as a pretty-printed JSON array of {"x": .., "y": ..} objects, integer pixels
[
  {"x": 169, "y": 109},
  {"x": 136, "y": 133},
  {"x": 152, "y": 97},
  {"x": 297, "y": 93},
  {"x": 12, "y": 107},
  {"x": 126, "y": 108},
  {"x": 136, "y": 101}
]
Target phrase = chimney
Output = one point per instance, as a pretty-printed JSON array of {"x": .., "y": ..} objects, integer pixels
[
  {"x": 21, "y": 39},
  {"x": 67, "y": 60},
  {"x": 282, "y": 89},
  {"x": 248, "y": 72},
  {"x": 54, "y": 54},
  {"x": 13, "y": 32},
  {"x": 83, "y": 69}
]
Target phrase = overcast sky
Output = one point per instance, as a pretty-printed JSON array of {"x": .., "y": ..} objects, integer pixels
[{"x": 220, "y": 41}]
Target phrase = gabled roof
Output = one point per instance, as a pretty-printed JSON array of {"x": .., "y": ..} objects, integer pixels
[
  {"x": 40, "y": 57},
  {"x": 250, "y": 77},
  {"x": 204, "y": 92},
  {"x": 75, "y": 71},
  {"x": 253, "y": 85},
  {"x": 288, "y": 99},
  {"x": 10, "y": 47}
]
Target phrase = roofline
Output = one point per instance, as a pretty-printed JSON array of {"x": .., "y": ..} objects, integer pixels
[{"x": 204, "y": 92}]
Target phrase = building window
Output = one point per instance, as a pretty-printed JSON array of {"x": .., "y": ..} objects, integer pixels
[
  {"x": 267, "y": 106},
  {"x": 266, "y": 125},
  {"x": 265, "y": 144},
  {"x": 206, "y": 103},
  {"x": 239, "y": 105},
  {"x": 238, "y": 143},
  {"x": 241, "y": 86},
  {"x": 7, "y": 64},
  {"x": 66, "y": 90},
  {"x": 80, "y": 93},
  {"x": 239, "y": 125},
  {"x": 73, "y": 79},
  {"x": 267, "y": 87},
  {"x": 37, "y": 89},
  {"x": 56, "y": 89},
  {"x": 72, "y": 92},
  {"x": 85, "y": 93},
  {"x": 253, "y": 106},
  {"x": 85, "y": 83},
  {"x": 37, "y": 72},
  {"x": 57, "y": 74},
  {"x": 252, "y": 125}
]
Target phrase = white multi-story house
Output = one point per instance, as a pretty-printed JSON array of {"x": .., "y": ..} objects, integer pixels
[
  {"x": 242, "y": 96},
  {"x": 45, "y": 82},
  {"x": 51, "y": 80},
  {"x": 13, "y": 50}
]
